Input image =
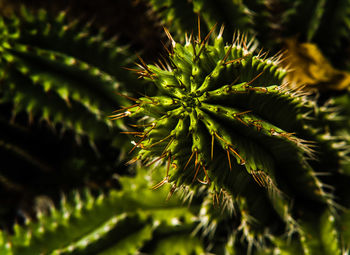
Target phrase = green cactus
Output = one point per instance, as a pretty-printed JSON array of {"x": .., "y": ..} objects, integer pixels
[
  {"x": 61, "y": 71},
  {"x": 342, "y": 127},
  {"x": 224, "y": 118},
  {"x": 62, "y": 76},
  {"x": 124, "y": 221},
  {"x": 323, "y": 22},
  {"x": 181, "y": 16},
  {"x": 267, "y": 167}
]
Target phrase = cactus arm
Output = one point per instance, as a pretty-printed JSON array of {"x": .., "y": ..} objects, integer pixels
[
  {"x": 56, "y": 70},
  {"x": 179, "y": 13},
  {"x": 179, "y": 244},
  {"x": 131, "y": 244},
  {"x": 182, "y": 15},
  {"x": 123, "y": 220},
  {"x": 320, "y": 235},
  {"x": 335, "y": 20}
]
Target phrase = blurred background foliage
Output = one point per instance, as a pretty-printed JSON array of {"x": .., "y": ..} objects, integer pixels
[{"x": 41, "y": 159}]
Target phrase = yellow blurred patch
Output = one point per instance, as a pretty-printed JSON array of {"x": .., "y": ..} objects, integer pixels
[{"x": 310, "y": 68}]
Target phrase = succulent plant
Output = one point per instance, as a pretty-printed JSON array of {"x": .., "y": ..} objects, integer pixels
[
  {"x": 224, "y": 118},
  {"x": 59, "y": 80},
  {"x": 61, "y": 71},
  {"x": 182, "y": 15},
  {"x": 324, "y": 23},
  {"x": 120, "y": 222},
  {"x": 267, "y": 166}
]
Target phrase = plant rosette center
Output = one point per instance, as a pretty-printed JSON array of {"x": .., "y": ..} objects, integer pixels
[
  {"x": 190, "y": 101},
  {"x": 221, "y": 115}
]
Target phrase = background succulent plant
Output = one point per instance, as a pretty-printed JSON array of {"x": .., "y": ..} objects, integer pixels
[
  {"x": 181, "y": 16},
  {"x": 124, "y": 221},
  {"x": 58, "y": 84},
  {"x": 69, "y": 62},
  {"x": 275, "y": 24}
]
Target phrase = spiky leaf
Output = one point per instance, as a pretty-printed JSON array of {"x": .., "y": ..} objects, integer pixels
[
  {"x": 123, "y": 222},
  {"x": 61, "y": 71}
]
